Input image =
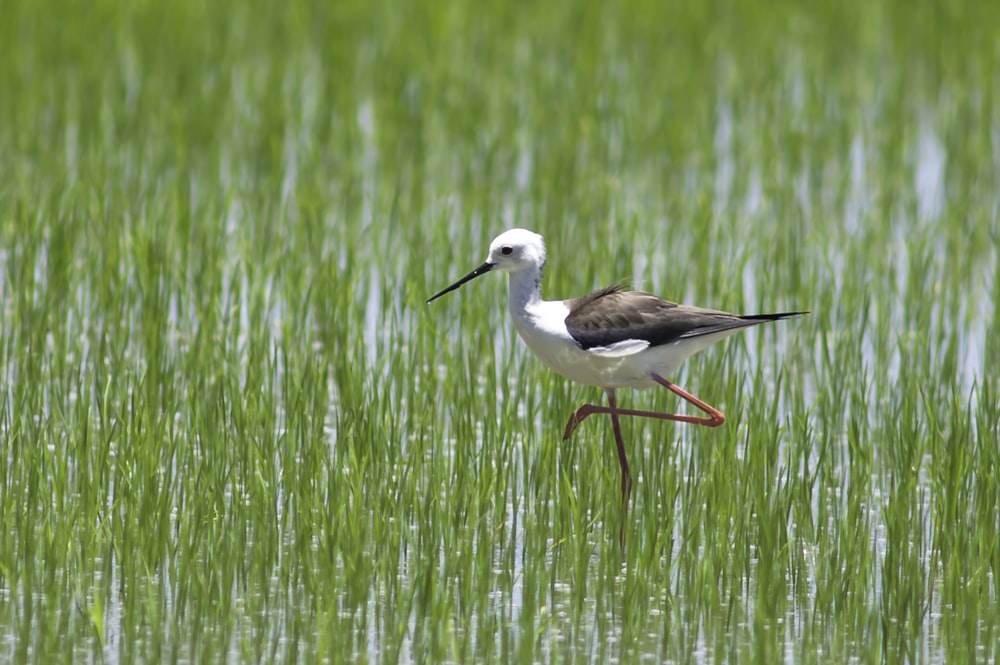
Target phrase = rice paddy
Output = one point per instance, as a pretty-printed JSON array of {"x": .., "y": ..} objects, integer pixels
[{"x": 233, "y": 430}]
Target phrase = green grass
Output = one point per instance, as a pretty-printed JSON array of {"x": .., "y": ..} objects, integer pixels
[{"x": 233, "y": 429}]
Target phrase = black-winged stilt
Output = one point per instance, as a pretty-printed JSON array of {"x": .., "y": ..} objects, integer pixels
[{"x": 610, "y": 338}]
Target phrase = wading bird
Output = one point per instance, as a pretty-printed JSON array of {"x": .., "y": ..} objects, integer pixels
[{"x": 610, "y": 338}]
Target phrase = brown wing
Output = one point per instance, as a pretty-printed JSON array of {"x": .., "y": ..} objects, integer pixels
[{"x": 610, "y": 315}]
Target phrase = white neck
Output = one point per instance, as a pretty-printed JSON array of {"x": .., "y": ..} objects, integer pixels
[{"x": 525, "y": 291}]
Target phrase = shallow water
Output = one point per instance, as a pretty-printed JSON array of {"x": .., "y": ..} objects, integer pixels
[{"x": 234, "y": 429}]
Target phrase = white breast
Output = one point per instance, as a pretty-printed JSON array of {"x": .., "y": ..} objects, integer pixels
[{"x": 542, "y": 327}]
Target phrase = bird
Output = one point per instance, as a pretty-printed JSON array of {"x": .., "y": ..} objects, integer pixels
[{"x": 611, "y": 338}]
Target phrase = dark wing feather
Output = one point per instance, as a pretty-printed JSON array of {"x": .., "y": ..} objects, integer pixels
[{"x": 610, "y": 315}]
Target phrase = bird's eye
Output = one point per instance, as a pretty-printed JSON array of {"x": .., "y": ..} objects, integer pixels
[{"x": 507, "y": 250}]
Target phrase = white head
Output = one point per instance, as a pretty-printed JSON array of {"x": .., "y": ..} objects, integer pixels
[
  {"x": 511, "y": 251},
  {"x": 517, "y": 250}
]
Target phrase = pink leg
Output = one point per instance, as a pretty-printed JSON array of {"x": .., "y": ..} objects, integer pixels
[
  {"x": 623, "y": 461},
  {"x": 579, "y": 415},
  {"x": 620, "y": 442},
  {"x": 715, "y": 418}
]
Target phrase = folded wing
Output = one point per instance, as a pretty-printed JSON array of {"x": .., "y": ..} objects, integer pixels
[{"x": 612, "y": 317}]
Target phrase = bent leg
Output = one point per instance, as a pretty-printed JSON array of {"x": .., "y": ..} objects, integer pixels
[{"x": 714, "y": 419}]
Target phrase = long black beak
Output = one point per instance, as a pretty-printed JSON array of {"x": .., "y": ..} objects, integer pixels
[{"x": 481, "y": 270}]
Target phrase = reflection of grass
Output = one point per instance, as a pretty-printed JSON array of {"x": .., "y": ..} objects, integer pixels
[{"x": 230, "y": 424}]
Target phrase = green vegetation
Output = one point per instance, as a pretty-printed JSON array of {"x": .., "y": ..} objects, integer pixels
[{"x": 231, "y": 427}]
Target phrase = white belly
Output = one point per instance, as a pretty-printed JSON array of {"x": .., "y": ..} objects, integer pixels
[
  {"x": 632, "y": 368},
  {"x": 557, "y": 349}
]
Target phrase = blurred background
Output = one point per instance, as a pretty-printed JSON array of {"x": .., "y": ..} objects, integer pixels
[{"x": 233, "y": 430}]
